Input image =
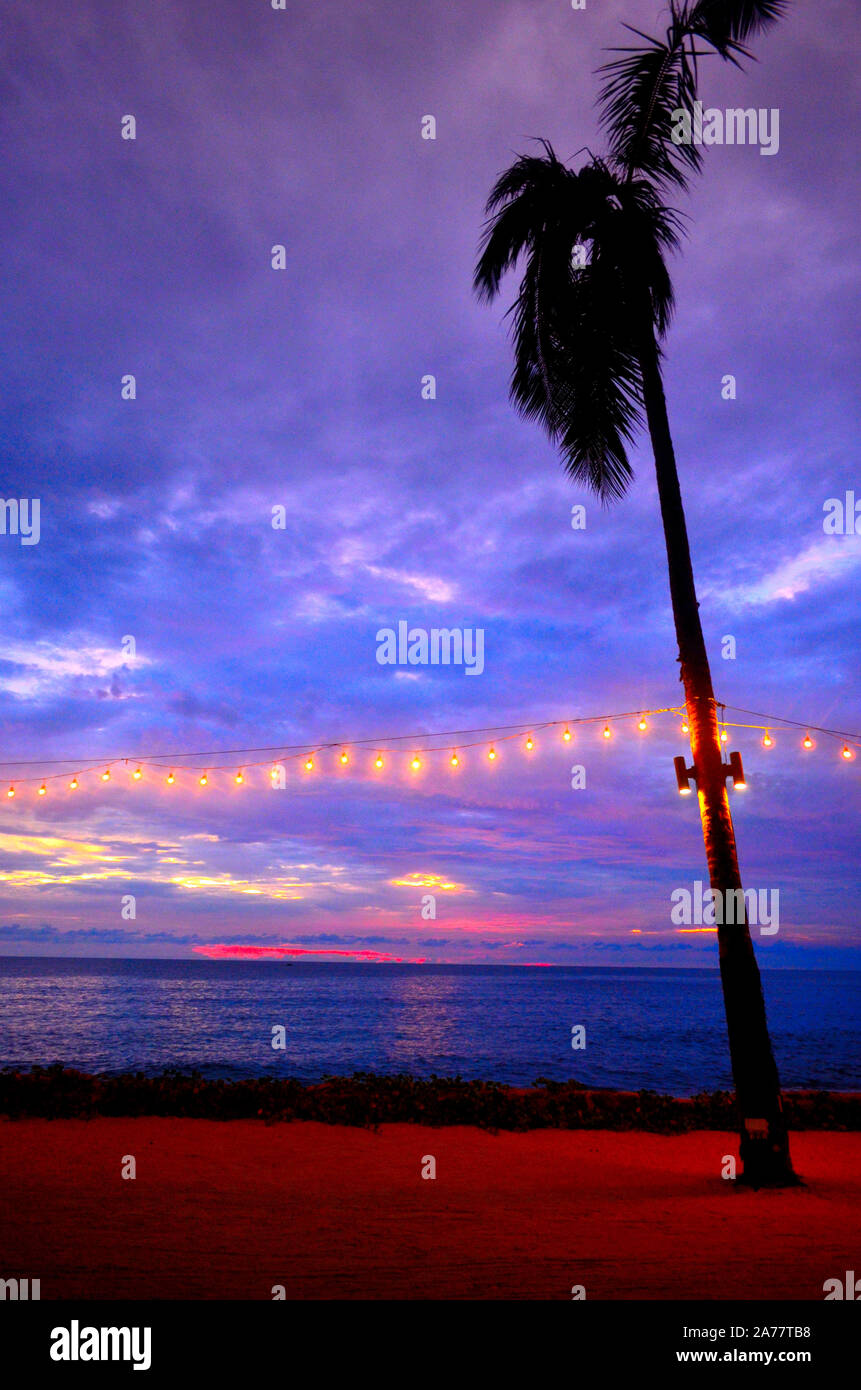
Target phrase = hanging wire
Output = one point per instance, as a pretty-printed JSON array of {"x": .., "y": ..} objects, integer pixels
[{"x": 475, "y": 737}]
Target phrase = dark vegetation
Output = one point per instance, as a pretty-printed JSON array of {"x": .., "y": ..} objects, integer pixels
[{"x": 366, "y": 1099}]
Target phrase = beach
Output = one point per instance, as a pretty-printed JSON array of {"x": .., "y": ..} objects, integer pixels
[{"x": 237, "y": 1209}]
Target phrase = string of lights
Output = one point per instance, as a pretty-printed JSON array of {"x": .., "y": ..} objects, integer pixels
[{"x": 202, "y": 764}]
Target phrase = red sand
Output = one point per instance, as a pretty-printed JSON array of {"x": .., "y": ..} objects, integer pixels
[{"x": 229, "y": 1209}]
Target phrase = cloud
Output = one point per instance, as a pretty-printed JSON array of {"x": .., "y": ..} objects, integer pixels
[
  {"x": 44, "y": 669},
  {"x": 242, "y": 952},
  {"x": 423, "y": 880},
  {"x": 303, "y": 390},
  {"x": 426, "y": 586},
  {"x": 826, "y": 561}
]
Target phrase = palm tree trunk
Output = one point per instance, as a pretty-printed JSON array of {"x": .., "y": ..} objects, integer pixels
[{"x": 764, "y": 1143}]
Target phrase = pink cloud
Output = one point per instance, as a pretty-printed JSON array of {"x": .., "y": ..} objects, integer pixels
[{"x": 239, "y": 952}]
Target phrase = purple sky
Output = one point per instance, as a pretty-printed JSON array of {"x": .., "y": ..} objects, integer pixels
[{"x": 301, "y": 388}]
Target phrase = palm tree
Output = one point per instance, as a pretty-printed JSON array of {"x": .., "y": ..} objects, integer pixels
[{"x": 595, "y": 301}]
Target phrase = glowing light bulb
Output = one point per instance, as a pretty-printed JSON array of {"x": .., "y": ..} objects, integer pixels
[
  {"x": 567, "y": 735},
  {"x": 530, "y": 743},
  {"x": 846, "y": 752},
  {"x": 491, "y": 753},
  {"x": 455, "y": 760},
  {"x": 686, "y": 727},
  {"x": 642, "y": 726},
  {"x": 274, "y": 773},
  {"x": 807, "y": 742},
  {"x": 11, "y": 791},
  {"x": 606, "y": 730},
  {"x": 170, "y": 779},
  {"x": 106, "y": 775},
  {"x": 137, "y": 774},
  {"x": 416, "y": 763},
  {"x": 43, "y": 790},
  {"x": 724, "y": 736},
  {"x": 239, "y": 779},
  {"x": 73, "y": 785},
  {"x": 203, "y": 780},
  {"x": 767, "y": 740},
  {"x": 378, "y": 761},
  {"x": 309, "y": 764},
  {"x": 345, "y": 758}
]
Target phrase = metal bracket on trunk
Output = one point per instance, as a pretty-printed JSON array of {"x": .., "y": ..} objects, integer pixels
[{"x": 685, "y": 775}]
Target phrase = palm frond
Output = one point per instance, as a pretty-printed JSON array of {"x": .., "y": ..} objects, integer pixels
[
  {"x": 727, "y": 24},
  {"x": 578, "y": 373},
  {"x": 577, "y": 327},
  {"x": 645, "y": 88},
  {"x": 641, "y": 92},
  {"x": 581, "y": 326},
  {"x": 531, "y": 192}
]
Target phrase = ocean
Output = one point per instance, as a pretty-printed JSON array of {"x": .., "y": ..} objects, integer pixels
[{"x": 659, "y": 1029}]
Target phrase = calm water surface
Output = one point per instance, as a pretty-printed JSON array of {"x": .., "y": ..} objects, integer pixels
[{"x": 662, "y": 1029}]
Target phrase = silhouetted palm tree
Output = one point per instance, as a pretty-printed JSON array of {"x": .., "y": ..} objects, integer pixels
[{"x": 595, "y": 301}]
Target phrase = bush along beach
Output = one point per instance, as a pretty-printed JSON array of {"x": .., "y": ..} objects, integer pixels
[{"x": 366, "y": 1099}]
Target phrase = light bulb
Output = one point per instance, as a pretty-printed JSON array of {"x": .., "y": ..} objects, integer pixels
[
  {"x": 309, "y": 764},
  {"x": 567, "y": 735},
  {"x": 73, "y": 785},
  {"x": 345, "y": 758},
  {"x": 43, "y": 790},
  {"x": 416, "y": 763},
  {"x": 491, "y": 754},
  {"x": 239, "y": 778},
  {"x": 530, "y": 744},
  {"x": 724, "y": 736},
  {"x": 686, "y": 728},
  {"x": 846, "y": 751},
  {"x": 606, "y": 730},
  {"x": 137, "y": 774},
  {"x": 642, "y": 724},
  {"x": 170, "y": 779},
  {"x": 106, "y": 775},
  {"x": 767, "y": 740},
  {"x": 203, "y": 780},
  {"x": 378, "y": 761},
  {"x": 11, "y": 791},
  {"x": 807, "y": 742},
  {"x": 454, "y": 760}
]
